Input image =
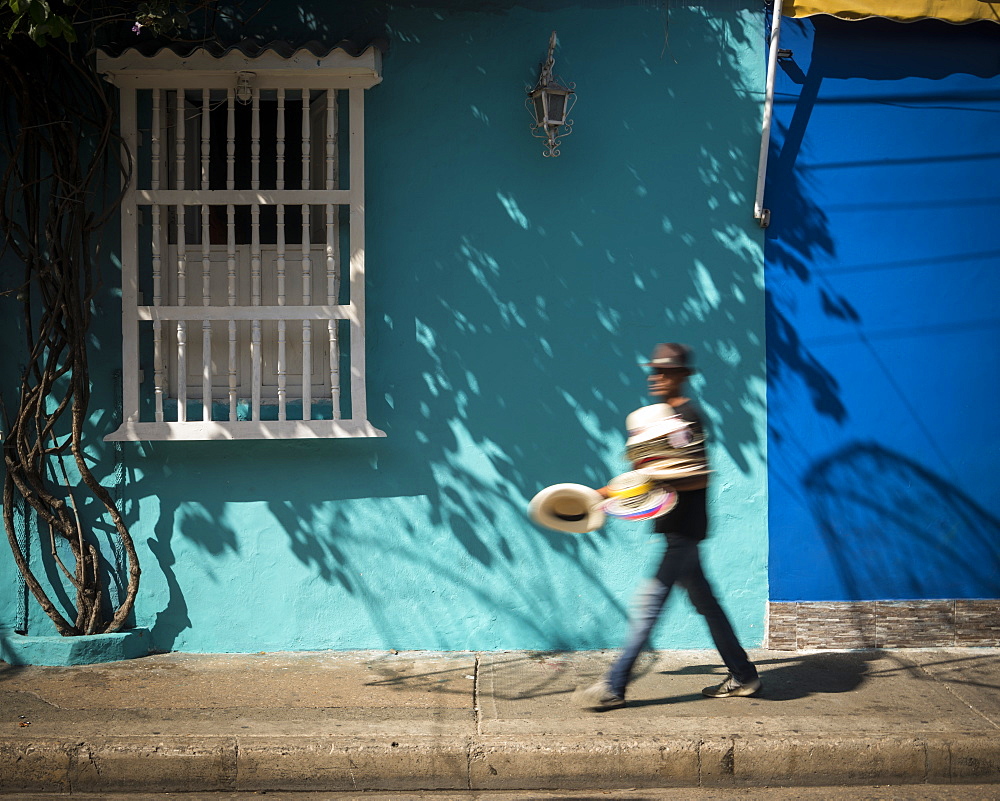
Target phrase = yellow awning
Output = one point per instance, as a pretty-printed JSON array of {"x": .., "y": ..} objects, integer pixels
[{"x": 957, "y": 11}]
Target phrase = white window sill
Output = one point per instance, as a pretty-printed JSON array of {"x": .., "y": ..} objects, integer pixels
[{"x": 244, "y": 429}]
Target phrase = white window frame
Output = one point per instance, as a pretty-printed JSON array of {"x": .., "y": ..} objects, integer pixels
[{"x": 133, "y": 72}]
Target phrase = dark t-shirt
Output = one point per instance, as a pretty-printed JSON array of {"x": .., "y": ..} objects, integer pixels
[{"x": 689, "y": 518}]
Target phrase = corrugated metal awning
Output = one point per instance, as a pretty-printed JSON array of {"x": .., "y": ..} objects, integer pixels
[
  {"x": 248, "y": 47},
  {"x": 959, "y": 12},
  {"x": 344, "y": 59}
]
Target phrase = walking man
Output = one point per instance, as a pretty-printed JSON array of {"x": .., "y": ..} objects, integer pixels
[{"x": 684, "y": 527}]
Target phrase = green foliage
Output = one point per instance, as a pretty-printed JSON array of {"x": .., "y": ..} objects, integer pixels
[
  {"x": 43, "y": 21},
  {"x": 161, "y": 18},
  {"x": 37, "y": 19}
]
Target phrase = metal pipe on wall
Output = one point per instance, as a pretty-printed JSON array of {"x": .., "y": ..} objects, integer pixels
[{"x": 762, "y": 215}]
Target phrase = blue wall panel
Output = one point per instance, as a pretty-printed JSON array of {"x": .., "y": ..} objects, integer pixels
[{"x": 883, "y": 272}]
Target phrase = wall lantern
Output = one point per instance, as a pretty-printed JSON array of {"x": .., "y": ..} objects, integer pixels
[{"x": 550, "y": 103}]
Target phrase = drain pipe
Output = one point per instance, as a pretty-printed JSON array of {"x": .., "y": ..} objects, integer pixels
[{"x": 760, "y": 214}]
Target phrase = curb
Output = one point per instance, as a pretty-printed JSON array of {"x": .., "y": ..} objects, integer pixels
[{"x": 179, "y": 764}]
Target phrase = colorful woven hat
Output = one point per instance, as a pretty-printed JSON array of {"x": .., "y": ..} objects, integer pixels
[{"x": 635, "y": 497}]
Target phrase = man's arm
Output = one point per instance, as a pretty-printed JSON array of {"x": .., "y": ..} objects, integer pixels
[
  {"x": 679, "y": 484},
  {"x": 689, "y": 484}
]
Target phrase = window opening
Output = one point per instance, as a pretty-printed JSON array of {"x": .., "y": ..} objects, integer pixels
[{"x": 243, "y": 256}]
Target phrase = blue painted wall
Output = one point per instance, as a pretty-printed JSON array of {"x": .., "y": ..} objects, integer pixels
[
  {"x": 883, "y": 273},
  {"x": 510, "y": 299}
]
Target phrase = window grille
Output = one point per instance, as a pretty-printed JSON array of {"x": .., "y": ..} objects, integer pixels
[{"x": 243, "y": 245}]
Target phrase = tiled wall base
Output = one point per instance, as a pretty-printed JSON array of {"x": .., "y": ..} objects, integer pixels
[{"x": 883, "y": 624}]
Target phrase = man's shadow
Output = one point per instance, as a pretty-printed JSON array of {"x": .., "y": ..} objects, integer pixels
[{"x": 786, "y": 678}]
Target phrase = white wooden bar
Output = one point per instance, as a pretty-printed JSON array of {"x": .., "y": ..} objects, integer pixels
[
  {"x": 206, "y": 134},
  {"x": 231, "y": 242},
  {"x": 231, "y": 294},
  {"x": 331, "y": 138},
  {"x": 206, "y": 260},
  {"x": 306, "y": 324},
  {"x": 180, "y": 132},
  {"x": 155, "y": 134},
  {"x": 255, "y": 370},
  {"x": 332, "y": 283},
  {"x": 359, "y": 398},
  {"x": 279, "y": 139},
  {"x": 157, "y": 265},
  {"x": 230, "y": 148},
  {"x": 255, "y": 139},
  {"x": 331, "y": 299},
  {"x": 280, "y": 260},
  {"x": 306, "y": 260},
  {"x": 282, "y": 371},
  {"x": 181, "y": 371},
  {"x": 255, "y": 301},
  {"x": 180, "y": 139},
  {"x": 255, "y": 258},
  {"x": 233, "y": 399},
  {"x": 206, "y": 325},
  {"x": 306, "y": 140},
  {"x": 279, "y": 136},
  {"x": 282, "y": 326},
  {"x": 156, "y": 168},
  {"x": 130, "y": 260}
]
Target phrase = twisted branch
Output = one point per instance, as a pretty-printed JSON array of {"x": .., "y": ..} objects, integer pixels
[{"x": 61, "y": 152}]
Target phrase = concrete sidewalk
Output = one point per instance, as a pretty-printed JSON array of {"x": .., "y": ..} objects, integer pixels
[{"x": 356, "y": 721}]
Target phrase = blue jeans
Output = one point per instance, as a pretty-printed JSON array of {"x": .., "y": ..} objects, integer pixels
[{"x": 681, "y": 565}]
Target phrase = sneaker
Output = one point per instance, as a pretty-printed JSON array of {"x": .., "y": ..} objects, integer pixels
[
  {"x": 732, "y": 688},
  {"x": 598, "y": 697}
]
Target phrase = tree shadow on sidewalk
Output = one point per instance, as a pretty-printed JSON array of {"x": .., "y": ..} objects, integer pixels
[{"x": 396, "y": 673}]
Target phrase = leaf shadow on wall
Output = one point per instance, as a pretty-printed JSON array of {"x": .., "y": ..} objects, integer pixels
[
  {"x": 799, "y": 237},
  {"x": 949, "y": 542}
]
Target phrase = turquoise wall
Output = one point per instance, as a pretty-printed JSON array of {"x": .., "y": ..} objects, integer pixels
[{"x": 510, "y": 299}]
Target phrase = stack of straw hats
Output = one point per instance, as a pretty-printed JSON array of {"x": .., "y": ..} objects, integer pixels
[{"x": 662, "y": 445}]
